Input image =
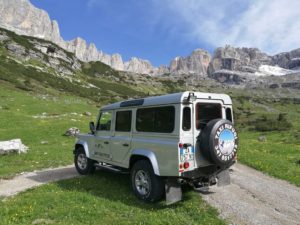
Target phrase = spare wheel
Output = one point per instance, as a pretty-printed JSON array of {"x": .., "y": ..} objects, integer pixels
[{"x": 219, "y": 142}]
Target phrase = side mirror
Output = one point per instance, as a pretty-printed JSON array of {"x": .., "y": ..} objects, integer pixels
[{"x": 92, "y": 127}]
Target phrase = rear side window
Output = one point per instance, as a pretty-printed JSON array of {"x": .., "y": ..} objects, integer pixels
[
  {"x": 228, "y": 114},
  {"x": 123, "y": 121},
  {"x": 158, "y": 119},
  {"x": 206, "y": 112},
  {"x": 186, "y": 119}
]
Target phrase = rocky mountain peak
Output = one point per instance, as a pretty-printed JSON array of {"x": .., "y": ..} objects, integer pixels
[
  {"x": 239, "y": 59},
  {"x": 288, "y": 60},
  {"x": 23, "y": 18},
  {"x": 137, "y": 65},
  {"x": 196, "y": 63}
]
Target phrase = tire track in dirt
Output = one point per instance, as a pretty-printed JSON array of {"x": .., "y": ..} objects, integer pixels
[{"x": 255, "y": 198}]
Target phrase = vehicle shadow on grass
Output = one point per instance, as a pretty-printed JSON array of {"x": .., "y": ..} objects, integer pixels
[{"x": 115, "y": 187}]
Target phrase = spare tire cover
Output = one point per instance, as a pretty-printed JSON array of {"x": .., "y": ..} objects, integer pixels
[{"x": 219, "y": 141}]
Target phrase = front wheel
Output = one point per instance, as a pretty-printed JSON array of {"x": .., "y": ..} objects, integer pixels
[
  {"x": 145, "y": 184},
  {"x": 83, "y": 164}
]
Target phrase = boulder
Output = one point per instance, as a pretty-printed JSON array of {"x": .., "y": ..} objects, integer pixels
[
  {"x": 87, "y": 114},
  {"x": 262, "y": 138},
  {"x": 72, "y": 132},
  {"x": 11, "y": 146}
]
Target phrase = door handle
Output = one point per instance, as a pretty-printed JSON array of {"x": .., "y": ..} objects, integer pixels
[
  {"x": 125, "y": 145},
  {"x": 106, "y": 142}
]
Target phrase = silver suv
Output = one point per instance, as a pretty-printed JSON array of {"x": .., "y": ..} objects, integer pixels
[{"x": 163, "y": 142}]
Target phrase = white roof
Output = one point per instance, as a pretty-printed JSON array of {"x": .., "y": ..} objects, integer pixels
[{"x": 169, "y": 99}]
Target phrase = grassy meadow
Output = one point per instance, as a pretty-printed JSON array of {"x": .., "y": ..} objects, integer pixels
[
  {"x": 102, "y": 198},
  {"x": 40, "y": 120}
]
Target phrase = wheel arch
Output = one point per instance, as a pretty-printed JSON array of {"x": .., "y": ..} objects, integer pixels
[
  {"x": 139, "y": 154},
  {"x": 84, "y": 145}
]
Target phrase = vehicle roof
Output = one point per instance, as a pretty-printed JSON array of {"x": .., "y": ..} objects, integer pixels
[{"x": 168, "y": 99}]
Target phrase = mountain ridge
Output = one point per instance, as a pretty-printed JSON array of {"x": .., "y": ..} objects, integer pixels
[{"x": 24, "y": 18}]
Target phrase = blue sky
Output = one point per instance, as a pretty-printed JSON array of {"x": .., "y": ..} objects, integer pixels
[{"x": 159, "y": 30}]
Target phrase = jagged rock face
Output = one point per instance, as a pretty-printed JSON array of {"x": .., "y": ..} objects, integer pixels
[
  {"x": 238, "y": 59},
  {"x": 236, "y": 65},
  {"x": 117, "y": 62},
  {"x": 228, "y": 76},
  {"x": 288, "y": 60},
  {"x": 23, "y": 18},
  {"x": 162, "y": 70},
  {"x": 196, "y": 63},
  {"x": 138, "y": 66}
]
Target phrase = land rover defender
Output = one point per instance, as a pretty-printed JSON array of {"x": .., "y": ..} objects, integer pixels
[{"x": 163, "y": 141}]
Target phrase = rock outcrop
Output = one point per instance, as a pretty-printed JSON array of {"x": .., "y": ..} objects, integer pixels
[
  {"x": 23, "y": 18},
  {"x": 196, "y": 63},
  {"x": 235, "y": 65},
  {"x": 288, "y": 60},
  {"x": 137, "y": 65},
  {"x": 238, "y": 59}
]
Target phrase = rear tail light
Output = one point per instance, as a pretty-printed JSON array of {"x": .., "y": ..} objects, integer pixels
[{"x": 186, "y": 165}]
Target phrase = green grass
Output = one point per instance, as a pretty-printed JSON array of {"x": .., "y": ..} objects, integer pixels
[
  {"x": 103, "y": 198},
  {"x": 17, "y": 112},
  {"x": 278, "y": 156}
]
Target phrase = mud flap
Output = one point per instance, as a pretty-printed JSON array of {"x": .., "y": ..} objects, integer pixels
[
  {"x": 173, "y": 191},
  {"x": 223, "y": 178}
]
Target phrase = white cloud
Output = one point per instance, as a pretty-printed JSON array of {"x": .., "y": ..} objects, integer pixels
[{"x": 273, "y": 26}]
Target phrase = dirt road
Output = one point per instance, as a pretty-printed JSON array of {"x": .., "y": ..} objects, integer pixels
[
  {"x": 254, "y": 198},
  {"x": 32, "y": 179}
]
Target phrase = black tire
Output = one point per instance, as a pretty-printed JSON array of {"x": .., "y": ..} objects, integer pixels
[
  {"x": 156, "y": 188},
  {"x": 213, "y": 137},
  {"x": 83, "y": 164}
]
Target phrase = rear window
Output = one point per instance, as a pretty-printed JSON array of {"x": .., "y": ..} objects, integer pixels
[
  {"x": 158, "y": 119},
  {"x": 186, "y": 119},
  {"x": 206, "y": 112}
]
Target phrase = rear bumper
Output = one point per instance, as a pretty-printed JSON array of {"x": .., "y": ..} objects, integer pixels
[{"x": 204, "y": 172}]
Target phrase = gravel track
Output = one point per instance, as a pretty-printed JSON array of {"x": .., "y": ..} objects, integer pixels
[
  {"x": 33, "y": 179},
  {"x": 255, "y": 198}
]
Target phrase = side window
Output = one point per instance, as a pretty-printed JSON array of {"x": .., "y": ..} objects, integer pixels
[
  {"x": 186, "y": 119},
  {"x": 123, "y": 121},
  {"x": 228, "y": 114},
  {"x": 104, "y": 122},
  {"x": 206, "y": 112},
  {"x": 158, "y": 119}
]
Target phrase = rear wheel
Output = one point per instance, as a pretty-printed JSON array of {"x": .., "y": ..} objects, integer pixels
[
  {"x": 83, "y": 164},
  {"x": 145, "y": 184}
]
